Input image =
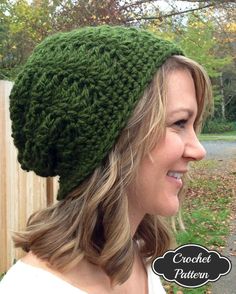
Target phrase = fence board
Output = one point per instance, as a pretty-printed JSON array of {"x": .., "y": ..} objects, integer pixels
[{"x": 21, "y": 193}]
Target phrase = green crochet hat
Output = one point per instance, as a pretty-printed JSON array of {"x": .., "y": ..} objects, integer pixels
[{"x": 76, "y": 93}]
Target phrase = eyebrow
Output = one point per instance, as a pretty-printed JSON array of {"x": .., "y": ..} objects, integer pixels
[{"x": 189, "y": 111}]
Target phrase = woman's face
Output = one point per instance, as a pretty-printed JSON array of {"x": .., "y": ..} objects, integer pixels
[{"x": 159, "y": 179}]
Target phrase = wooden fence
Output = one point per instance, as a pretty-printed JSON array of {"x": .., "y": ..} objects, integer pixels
[{"x": 21, "y": 193}]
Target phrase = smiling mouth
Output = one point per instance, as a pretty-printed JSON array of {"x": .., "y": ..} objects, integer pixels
[{"x": 176, "y": 175}]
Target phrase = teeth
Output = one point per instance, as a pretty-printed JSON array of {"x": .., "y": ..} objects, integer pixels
[{"x": 175, "y": 175}]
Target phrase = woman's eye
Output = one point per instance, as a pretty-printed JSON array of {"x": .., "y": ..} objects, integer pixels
[{"x": 181, "y": 123}]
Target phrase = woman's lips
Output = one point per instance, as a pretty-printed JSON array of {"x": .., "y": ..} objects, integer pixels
[{"x": 177, "y": 182}]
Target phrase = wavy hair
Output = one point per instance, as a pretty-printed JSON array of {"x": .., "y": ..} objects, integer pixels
[{"x": 92, "y": 222}]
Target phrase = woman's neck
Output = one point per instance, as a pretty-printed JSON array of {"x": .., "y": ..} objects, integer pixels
[{"x": 92, "y": 279}]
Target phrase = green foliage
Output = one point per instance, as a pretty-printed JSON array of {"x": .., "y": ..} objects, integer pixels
[
  {"x": 23, "y": 24},
  {"x": 1, "y": 276},
  {"x": 199, "y": 43},
  {"x": 218, "y": 100},
  {"x": 229, "y": 81},
  {"x": 218, "y": 126},
  {"x": 22, "y": 27},
  {"x": 197, "y": 35},
  {"x": 178, "y": 290},
  {"x": 196, "y": 38}
]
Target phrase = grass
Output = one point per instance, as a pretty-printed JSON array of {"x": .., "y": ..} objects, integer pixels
[
  {"x": 1, "y": 275},
  {"x": 206, "y": 212},
  {"x": 227, "y": 136}
]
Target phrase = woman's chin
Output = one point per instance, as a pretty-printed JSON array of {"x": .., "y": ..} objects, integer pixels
[{"x": 169, "y": 210}]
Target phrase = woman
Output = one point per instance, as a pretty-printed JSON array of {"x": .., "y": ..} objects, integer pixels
[{"x": 114, "y": 112}]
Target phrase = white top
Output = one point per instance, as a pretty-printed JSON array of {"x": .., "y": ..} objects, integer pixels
[{"x": 26, "y": 279}]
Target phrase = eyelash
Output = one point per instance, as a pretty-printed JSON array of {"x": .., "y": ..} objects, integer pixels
[{"x": 181, "y": 123}]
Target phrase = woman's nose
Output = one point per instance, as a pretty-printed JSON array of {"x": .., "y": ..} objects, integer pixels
[{"x": 194, "y": 149}]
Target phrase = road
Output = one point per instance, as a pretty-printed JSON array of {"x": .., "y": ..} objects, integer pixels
[
  {"x": 225, "y": 151},
  {"x": 220, "y": 149}
]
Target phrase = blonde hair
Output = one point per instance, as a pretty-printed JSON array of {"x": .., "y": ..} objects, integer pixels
[{"x": 92, "y": 222}]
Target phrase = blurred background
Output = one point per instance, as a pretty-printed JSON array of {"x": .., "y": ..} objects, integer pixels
[{"x": 206, "y": 30}]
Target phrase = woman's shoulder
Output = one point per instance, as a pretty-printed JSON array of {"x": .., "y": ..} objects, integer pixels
[
  {"x": 154, "y": 282},
  {"x": 25, "y": 278}
]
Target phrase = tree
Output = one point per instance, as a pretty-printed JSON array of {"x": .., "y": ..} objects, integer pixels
[
  {"x": 197, "y": 36},
  {"x": 229, "y": 84},
  {"x": 23, "y": 24}
]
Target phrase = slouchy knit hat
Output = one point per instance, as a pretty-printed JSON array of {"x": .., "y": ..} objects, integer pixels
[{"x": 76, "y": 93}]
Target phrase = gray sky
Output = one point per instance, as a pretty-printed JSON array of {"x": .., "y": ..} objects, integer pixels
[{"x": 181, "y": 5}]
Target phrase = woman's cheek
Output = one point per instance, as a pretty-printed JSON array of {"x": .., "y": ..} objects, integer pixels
[{"x": 174, "y": 142}]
